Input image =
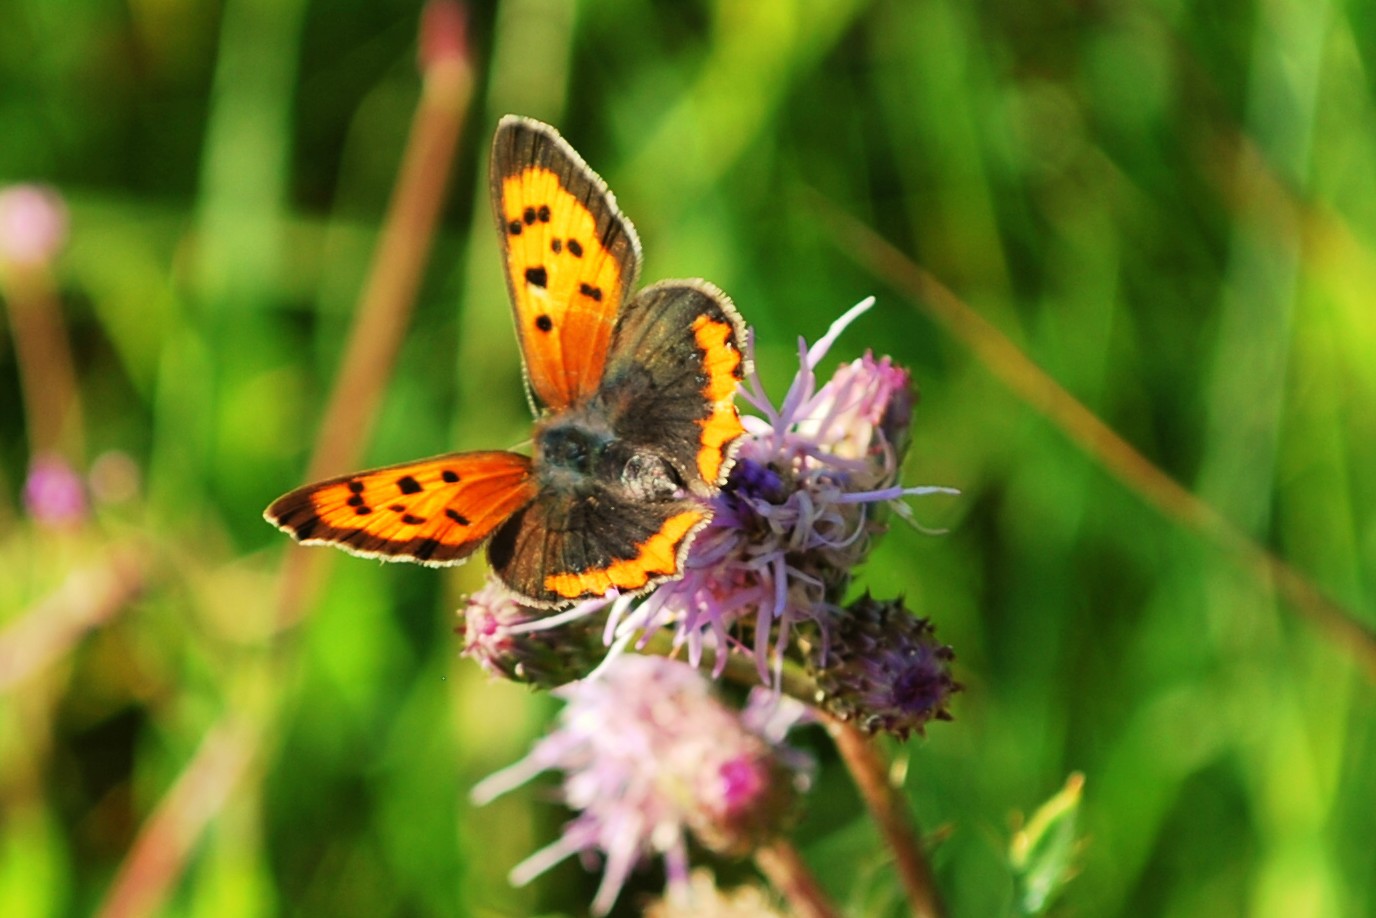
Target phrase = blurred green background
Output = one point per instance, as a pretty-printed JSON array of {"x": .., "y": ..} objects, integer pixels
[{"x": 1170, "y": 206}]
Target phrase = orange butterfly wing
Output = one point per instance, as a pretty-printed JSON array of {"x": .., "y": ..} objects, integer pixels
[
  {"x": 436, "y": 511},
  {"x": 571, "y": 258}
]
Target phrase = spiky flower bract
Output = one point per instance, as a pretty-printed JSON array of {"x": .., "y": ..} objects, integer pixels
[{"x": 884, "y": 670}]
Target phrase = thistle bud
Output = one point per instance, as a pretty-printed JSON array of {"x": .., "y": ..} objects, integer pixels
[
  {"x": 883, "y": 669},
  {"x": 495, "y": 637}
]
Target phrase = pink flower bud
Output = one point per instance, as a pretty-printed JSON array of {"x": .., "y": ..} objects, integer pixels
[{"x": 33, "y": 224}]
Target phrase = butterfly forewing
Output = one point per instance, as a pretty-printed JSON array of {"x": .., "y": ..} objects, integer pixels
[
  {"x": 435, "y": 511},
  {"x": 571, "y": 258}
]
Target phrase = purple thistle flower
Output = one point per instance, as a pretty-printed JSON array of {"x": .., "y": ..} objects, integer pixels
[
  {"x": 797, "y": 514},
  {"x": 53, "y": 492},
  {"x": 650, "y": 755}
]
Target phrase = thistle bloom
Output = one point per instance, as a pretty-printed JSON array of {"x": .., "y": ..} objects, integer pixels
[
  {"x": 797, "y": 514},
  {"x": 649, "y": 756}
]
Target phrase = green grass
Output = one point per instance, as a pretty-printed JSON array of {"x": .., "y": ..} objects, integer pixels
[{"x": 1169, "y": 207}]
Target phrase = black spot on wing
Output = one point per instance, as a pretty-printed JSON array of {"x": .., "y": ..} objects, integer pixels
[
  {"x": 575, "y": 249},
  {"x": 591, "y": 292},
  {"x": 408, "y": 485},
  {"x": 544, "y": 323},
  {"x": 450, "y": 476},
  {"x": 537, "y": 276},
  {"x": 456, "y": 516}
]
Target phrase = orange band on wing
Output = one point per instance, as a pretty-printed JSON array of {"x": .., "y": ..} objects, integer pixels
[
  {"x": 722, "y": 363},
  {"x": 658, "y": 557}
]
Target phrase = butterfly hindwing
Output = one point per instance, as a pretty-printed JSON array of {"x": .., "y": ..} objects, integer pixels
[
  {"x": 571, "y": 258},
  {"x": 568, "y": 546},
  {"x": 435, "y": 511},
  {"x": 676, "y": 360}
]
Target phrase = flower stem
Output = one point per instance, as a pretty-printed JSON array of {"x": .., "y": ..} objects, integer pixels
[
  {"x": 890, "y": 812},
  {"x": 788, "y": 873},
  {"x": 205, "y": 786},
  {"x": 47, "y": 380}
]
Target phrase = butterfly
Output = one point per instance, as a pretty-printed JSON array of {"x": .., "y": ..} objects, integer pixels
[{"x": 635, "y": 423}]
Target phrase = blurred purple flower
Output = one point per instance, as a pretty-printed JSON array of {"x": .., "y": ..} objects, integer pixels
[
  {"x": 53, "y": 493},
  {"x": 649, "y": 755},
  {"x": 33, "y": 224}
]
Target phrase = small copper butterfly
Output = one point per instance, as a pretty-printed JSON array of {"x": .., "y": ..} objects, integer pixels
[{"x": 633, "y": 395}]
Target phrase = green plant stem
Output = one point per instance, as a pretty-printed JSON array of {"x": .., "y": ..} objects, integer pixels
[
  {"x": 47, "y": 378},
  {"x": 890, "y": 812},
  {"x": 781, "y": 864},
  {"x": 88, "y": 598}
]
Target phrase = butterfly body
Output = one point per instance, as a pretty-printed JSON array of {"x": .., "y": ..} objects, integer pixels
[
  {"x": 635, "y": 421},
  {"x": 580, "y": 459}
]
